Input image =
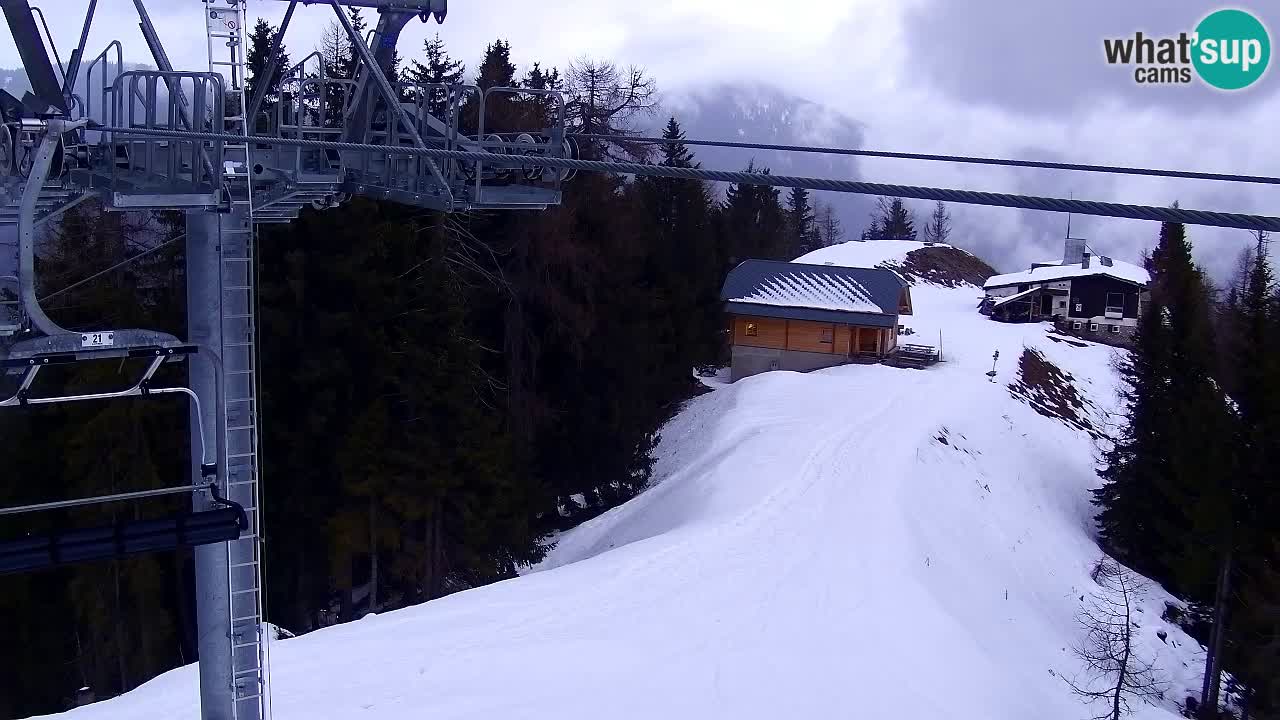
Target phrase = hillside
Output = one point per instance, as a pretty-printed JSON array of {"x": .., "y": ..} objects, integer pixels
[{"x": 861, "y": 542}]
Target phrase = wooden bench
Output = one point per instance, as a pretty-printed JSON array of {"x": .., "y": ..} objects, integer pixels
[{"x": 914, "y": 355}]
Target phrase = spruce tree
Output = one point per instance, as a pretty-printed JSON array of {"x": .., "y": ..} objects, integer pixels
[
  {"x": 1165, "y": 502},
  {"x": 540, "y": 111},
  {"x": 439, "y": 69},
  {"x": 685, "y": 259},
  {"x": 872, "y": 231},
  {"x": 1251, "y": 325},
  {"x": 352, "y": 56},
  {"x": 502, "y": 112},
  {"x": 753, "y": 222},
  {"x": 259, "y": 57},
  {"x": 802, "y": 229},
  {"x": 894, "y": 221}
]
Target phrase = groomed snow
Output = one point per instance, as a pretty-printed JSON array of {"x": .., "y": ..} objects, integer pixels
[{"x": 809, "y": 549}]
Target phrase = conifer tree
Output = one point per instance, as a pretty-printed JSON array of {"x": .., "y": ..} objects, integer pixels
[
  {"x": 439, "y": 69},
  {"x": 802, "y": 230},
  {"x": 351, "y": 55},
  {"x": 872, "y": 231},
  {"x": 753, "y": 222},
  {"x": 894, "y": 220},
  {"x": 540, "y": 111},
  {"x": 259, "y": 57},
  {"x": 1170, "y": 496},
  {"x": 501, "y": 109},
  {"x": 1164, "y": 502},
  {"x": 685, "y": 259}
]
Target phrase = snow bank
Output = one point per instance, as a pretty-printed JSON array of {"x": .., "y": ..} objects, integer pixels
[
  {"x": 864, "y": 254},
  {"x": 861, "y": 541}
]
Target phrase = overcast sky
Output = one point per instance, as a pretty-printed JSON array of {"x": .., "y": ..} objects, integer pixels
[{"x": 981, "y": 77}]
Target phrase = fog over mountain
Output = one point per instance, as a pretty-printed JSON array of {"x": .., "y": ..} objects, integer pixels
[{"x": 766, "y": 114}]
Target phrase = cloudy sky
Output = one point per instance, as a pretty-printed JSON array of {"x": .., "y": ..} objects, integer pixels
[{"x": 979, "y": 77}]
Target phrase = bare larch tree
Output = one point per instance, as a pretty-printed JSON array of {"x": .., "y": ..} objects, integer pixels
[
  {"x": 938, "y": 229},
  {"x": 603, "y": 99},
  {"x": 1111, "y": 671}
]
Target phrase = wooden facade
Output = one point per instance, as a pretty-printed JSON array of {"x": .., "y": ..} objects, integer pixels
[{"x": 814, "y": 337}]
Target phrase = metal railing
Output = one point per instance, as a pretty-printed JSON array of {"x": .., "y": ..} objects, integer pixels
[{"x": 177, "y": 165}]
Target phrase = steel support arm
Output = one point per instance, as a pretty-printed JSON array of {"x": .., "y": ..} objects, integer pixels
[
  {"x": 49, "y": 145},
  {"x": 77, "y": 55},
  {"x": 389, "y": 26},
  {"x": 35, "y": 58}
]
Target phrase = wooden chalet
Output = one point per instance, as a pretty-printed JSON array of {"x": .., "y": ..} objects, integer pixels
[{"x": 793, "y": 316}]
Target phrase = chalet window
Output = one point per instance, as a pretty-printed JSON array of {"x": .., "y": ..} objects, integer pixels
[
  {"x": 1115, "y": 303},
  {"x": 1075, "y": 326},
  {"x": 828, "y": 336},
  {"x": 1093, "y": 327},
  {"x": 1062, "y": 303},
  {"x": 1115, "y": 328},
  {"x": 752, "y": 331}
]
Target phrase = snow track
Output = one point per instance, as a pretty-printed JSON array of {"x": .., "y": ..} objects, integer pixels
[{"x": 857, "y": 542}]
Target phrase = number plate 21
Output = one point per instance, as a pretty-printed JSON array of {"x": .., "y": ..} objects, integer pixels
[{"x": 97, "y": 339}]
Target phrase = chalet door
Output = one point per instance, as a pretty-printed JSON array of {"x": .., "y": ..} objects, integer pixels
[
  {"x": 867, "y": 340},
  {"x": 1046, "y": 304}
]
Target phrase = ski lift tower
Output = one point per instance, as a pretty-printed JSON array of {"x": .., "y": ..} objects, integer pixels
[{"x": 106, "y": 133}]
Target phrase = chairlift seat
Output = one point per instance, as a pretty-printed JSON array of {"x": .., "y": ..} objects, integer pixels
[{"x": 128, "y": 537}]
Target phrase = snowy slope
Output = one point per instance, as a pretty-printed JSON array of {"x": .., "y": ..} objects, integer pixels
[
  {"x": 864, "y": 254},
  {"x": 810, "y": 548}
]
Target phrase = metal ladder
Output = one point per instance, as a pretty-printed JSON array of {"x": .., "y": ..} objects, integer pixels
[{"x": 225, "y": 27}]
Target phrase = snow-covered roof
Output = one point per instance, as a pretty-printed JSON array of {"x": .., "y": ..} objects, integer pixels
[
  {"x": 812, "y": 292},
  {"x": 1015, "y": 296},
  {"x": 1117, "y": 269}
]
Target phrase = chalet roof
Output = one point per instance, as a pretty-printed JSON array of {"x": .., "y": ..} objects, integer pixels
[
  {"x": 823, "y": 293},
  {"x": 1016, "y": 296},
  {"x": 1117, "y": 269}
]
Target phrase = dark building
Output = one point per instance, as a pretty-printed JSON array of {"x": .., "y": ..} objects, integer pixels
[{"x": 1091, "y": 296}]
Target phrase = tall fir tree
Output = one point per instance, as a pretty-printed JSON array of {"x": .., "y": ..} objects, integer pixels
[
  {"x": 1164, "y": 502},
  {"x": 893, "y": 221},
  {"x": 872, "y": 231},
  {"x": 351, "y": 56},
  {"x": 502, "y": 111},
  {"x": 802, "y": 229},
  {"x": 439, "y": 69},
  {"x": 1251, "y": 327},
  {"x": 260, "y": 40},
  {"x": 753, "y": 223},
  {"x": 685, "y": 260}
]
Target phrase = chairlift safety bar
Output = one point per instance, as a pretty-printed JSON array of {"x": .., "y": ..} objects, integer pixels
[{"x": 115, "y": 497}]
